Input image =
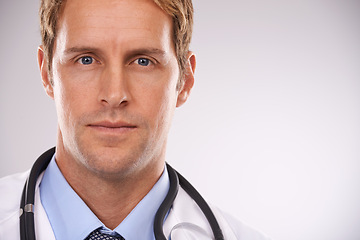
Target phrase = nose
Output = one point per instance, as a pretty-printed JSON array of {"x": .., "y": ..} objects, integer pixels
[{"x": 114, "y": 90}]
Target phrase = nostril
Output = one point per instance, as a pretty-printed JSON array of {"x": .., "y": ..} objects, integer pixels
[
  {"x": 114, "y": 89},
  {"x": 115, "y": 100}
]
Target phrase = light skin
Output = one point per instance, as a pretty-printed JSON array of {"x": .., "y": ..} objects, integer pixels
[{"x": 115, "y": 76}]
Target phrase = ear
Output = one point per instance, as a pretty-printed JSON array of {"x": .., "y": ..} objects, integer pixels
[
  {"x": 188, "y": 81},
  {"x": 44, "y": 72}
]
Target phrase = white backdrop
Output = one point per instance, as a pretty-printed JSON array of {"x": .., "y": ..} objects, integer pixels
[{"x": 271, "y": 132}]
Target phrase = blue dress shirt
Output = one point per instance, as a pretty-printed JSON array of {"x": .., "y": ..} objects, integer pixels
[{"x": 71, "y": 218}]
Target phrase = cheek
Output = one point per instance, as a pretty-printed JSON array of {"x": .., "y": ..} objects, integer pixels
[
  {"x": 156, "y": 94},
  {"x": 63, "y": 108},
  {"x": 162, "y": 107},
  {"x": 73, "y": 85},
  {"x": 67, "y": 97}
]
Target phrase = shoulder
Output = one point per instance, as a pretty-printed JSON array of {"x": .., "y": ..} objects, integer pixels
[
  {"x": 237, "y": 227},
  {"x": 11, "y": 189},
  {"x": 185, "y": 210}
]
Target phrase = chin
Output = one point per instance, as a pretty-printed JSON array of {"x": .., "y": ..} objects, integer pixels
[{"x": 111, "y": 162}]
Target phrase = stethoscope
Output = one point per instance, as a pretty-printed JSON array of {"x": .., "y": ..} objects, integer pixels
[{"x": 27, "y": 227}]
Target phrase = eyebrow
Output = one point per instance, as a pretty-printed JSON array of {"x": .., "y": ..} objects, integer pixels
[
  {"x": 147, "y": 51},
  {"x": 80, "y": 49},
  {"x": 139, "y": 51}
]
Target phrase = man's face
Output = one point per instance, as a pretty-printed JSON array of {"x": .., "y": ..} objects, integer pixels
[{"x": 115, "y": 74}]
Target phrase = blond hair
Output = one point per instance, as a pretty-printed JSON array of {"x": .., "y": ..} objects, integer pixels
[{"x": 181, "y": 12}]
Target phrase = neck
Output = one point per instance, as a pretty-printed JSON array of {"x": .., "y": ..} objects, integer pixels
[{"x": 110, "y": 199}]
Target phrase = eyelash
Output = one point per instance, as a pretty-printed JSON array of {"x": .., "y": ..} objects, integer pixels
[
  {"x": 149, "y": 62},
  {"x": 82, "y": 58},
  {"x": 79, "y": 60}
]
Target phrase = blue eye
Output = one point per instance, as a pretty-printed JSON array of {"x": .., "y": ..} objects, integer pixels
[
  {"x": 86, "y": 60},
  {"x": 143, "y": 62}
]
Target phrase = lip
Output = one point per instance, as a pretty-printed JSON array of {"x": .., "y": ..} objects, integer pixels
[
  {"x": 109, "y": 124},
  {"x": 112, "y": 127}
]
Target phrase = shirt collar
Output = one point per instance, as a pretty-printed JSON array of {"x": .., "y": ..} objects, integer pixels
[
  {"x": 139, "y": 224},
  {"x": 70, "y": 217}
]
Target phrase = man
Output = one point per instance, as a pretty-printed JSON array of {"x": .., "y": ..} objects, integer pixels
[{"x": 116, "y": 69}]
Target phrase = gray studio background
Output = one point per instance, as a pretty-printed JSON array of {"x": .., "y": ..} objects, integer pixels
[{"x": 271, "y": 131}]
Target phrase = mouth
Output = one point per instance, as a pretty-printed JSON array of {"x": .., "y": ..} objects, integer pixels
[{"x": 112, "y": 127}]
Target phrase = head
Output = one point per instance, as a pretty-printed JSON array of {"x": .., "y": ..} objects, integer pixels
[
  {"x": 113, "y": 68},
  {"x": 181, "y": 12}
]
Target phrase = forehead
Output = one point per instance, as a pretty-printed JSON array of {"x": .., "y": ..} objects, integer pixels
[{"x": 112, "y": 22}]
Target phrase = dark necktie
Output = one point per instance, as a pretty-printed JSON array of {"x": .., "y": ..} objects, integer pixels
[{"x": 97, "y": 235}]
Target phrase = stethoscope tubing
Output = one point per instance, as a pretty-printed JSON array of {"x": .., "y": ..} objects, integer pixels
[
  {"x": 27, "y": 226},
  {"x": 205, "y": 208},
  {"x": 166, "y": 204}
]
